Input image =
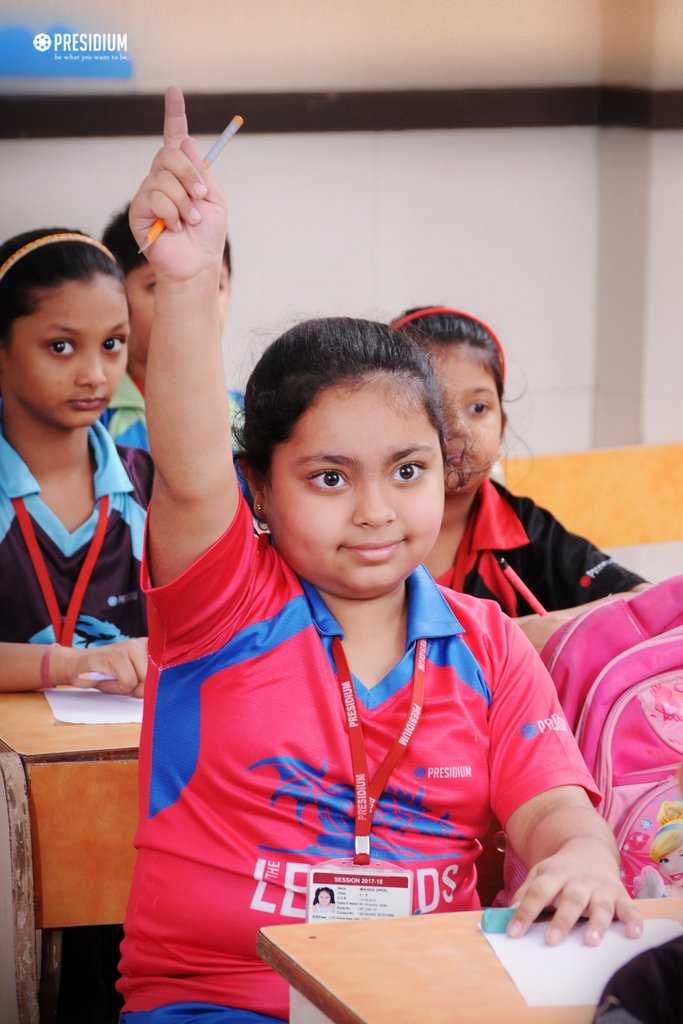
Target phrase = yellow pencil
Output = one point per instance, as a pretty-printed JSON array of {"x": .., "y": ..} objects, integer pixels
[{"x": 158, "y": 226}]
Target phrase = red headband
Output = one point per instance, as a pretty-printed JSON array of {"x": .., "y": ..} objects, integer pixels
[{"x": 417, "y": 314}]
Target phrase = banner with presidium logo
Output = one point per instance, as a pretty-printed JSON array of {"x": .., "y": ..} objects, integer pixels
[{"x": 57, "y": 51}]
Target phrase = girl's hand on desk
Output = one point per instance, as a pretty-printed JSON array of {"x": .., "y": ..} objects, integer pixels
[
  {"x": 112, "y": 668},
  {"x": 579, "y": 881},
  {"x": 575, "y": 868}
]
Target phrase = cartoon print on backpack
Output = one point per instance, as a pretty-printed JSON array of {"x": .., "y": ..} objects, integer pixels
[
  {"x": 666, "y": 850},
  {"x": 618, "y": 670},
  {"x": 663, "y": 705}
]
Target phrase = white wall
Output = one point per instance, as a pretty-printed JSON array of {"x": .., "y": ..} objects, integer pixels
[
  {"x": 502, "y": 223},
  {"x": 663, "y": 352}
]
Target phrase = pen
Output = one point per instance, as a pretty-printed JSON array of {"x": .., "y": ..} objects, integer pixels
[
  {"x": 96, "y": 677},
  {"x": 521, "y": 587},
  {"x": 220, "y": 143}
]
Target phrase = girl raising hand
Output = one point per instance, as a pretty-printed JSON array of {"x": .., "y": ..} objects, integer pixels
[{"x": 313, "y": 694}]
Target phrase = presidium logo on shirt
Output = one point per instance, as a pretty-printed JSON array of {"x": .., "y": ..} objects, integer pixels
[
  {"x": 589, "y": 576},
  {"x": 116, "y": 599},
  {"x": 444, "y": 771},
  {"x": 556, "y": 723}
]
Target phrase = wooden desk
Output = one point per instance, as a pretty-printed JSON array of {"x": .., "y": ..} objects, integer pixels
[
  {"x": 66, "y": 835},
  {"x": 432, "y": 969}
]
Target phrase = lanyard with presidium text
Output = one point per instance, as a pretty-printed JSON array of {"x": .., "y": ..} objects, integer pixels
[
  {"x": 368, "y": 791},
  {"x": 64, "y": 630}
]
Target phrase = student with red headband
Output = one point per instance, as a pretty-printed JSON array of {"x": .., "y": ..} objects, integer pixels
[{"x": 493, "y": 544}]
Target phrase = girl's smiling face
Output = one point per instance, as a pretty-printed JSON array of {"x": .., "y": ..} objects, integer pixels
[
  {"x": 354, "y": 498},
  {"x": 474, "y": 418},
  {"x": 63, "y": 362}
]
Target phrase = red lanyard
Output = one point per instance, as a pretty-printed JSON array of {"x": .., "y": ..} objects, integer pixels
[
  {"x": 368, "y": 791},
  {"x": 64, "y": 629}
]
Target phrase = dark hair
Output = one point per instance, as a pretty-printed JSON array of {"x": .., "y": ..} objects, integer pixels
[
  {"x": 440, "y": 325},
  {"x": 45, "y": 267},
  {"x": 319, "y": 354},
  {"x": 323, "y": 888},
  {"x": 119, "y": 238}
]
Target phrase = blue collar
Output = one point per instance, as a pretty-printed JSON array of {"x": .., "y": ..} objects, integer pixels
[
  {"x": 18, "y": 481},
  {"x": 429, "y": 615}
]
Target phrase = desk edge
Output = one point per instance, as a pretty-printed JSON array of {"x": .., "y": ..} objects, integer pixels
[{"x": 293, "y": 974}]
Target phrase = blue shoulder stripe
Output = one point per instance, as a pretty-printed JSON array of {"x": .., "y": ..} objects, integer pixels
[
  {"x": 176, "y": 735},
  {"x": 453, "y": 652}
]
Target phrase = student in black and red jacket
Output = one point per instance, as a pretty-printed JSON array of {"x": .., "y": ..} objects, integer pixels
[{"x": 493, "y": 544}]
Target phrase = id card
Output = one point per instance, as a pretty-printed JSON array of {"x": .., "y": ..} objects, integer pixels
[{"x": 339, "y": 890}]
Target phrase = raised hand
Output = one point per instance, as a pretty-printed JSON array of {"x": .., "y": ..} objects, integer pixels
[{"x": 180, "y": 191}]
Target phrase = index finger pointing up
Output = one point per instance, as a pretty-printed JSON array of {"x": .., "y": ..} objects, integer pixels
[{"x": 175, "y": 121}]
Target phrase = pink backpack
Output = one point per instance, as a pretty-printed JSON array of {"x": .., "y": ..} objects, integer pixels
[
  {"x": 618, "y": 669},
  {"x": 582, "y": 647}
]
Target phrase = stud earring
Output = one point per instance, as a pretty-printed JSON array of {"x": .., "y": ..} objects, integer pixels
[{"x": 261, "y": 521}]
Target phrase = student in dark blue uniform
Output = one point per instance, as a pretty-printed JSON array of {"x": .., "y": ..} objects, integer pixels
[
  {"x": 72, "y": 510},
  {"x": 72, "y": 505},
  {"x": 486, "y": 527}
]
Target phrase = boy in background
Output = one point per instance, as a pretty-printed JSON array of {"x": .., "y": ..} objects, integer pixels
[{"x": 125, "y": 416}]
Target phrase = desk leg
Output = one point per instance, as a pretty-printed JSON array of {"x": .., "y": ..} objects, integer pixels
[
  {"x": 50, "y": 970},
  {"x": 302, "y": 1011},
  {"x": 18, "y": 966}
]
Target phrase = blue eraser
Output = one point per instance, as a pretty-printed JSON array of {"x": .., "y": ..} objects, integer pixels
[{"x": 496, "y": 919}]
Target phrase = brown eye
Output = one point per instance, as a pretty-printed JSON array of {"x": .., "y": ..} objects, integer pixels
[
  {"x": 61, "y": 347},
  {"x": 329, "y": 480},
  {"x": 408, "y": 471}
]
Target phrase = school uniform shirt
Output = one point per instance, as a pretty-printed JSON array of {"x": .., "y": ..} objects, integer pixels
[
  {"x": 126, "y": 420},
  {"x": 245, "y": 765},
  {"x": 125, "y": 417},
  {"x": 113, "y": 605},
  {"x": 560, "y": 568}
]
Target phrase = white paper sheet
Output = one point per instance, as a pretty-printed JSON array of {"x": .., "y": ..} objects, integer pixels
[
  {"x": 572, "y": 974},
  {"x": 93, "y": 707}
]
